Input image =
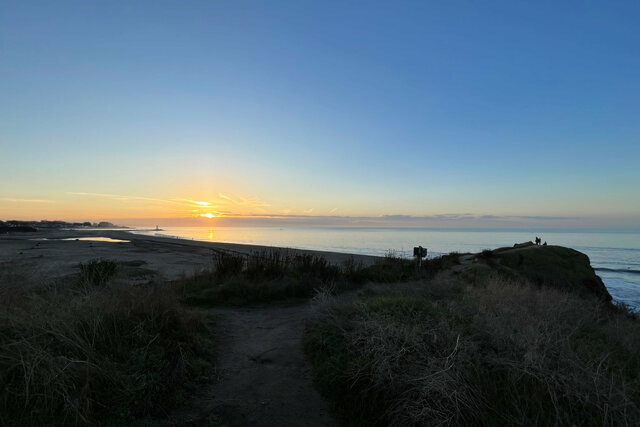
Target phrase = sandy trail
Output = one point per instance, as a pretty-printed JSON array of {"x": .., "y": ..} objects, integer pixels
[{"x": 264, "y": 378}]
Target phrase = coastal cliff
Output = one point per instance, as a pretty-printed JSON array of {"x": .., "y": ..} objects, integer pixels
[{"x": 553, "y": 266}]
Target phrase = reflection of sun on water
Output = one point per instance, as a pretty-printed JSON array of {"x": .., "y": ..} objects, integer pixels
[{"x": 210, "y": 233}]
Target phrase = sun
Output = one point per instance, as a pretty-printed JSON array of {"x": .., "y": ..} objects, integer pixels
[{"x": 208, "y": 215}]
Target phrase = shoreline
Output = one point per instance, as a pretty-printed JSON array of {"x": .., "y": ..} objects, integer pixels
[
  {"x": 44, "y": 255},
  {"x": 243, "y": 248},
  {"x": 248, "y": 248}
]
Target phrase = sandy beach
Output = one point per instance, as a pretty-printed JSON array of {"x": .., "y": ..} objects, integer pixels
[{"x": 52, "y": 254}]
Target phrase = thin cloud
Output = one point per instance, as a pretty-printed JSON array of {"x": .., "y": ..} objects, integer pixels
[
  {"x": 204, "y": 203},
  {"x": 397, "y": 217},
  {"x": 545, "y": 218},
  {"x": 453, "y": 216},
  {"x": 121, "y": 197},
  {"x": 240, "y": 201},
  {"x": 16, "y": 200}
]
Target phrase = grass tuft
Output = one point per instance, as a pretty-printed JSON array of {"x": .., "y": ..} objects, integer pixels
[
  {"x": 228, "y": 264},
  {"x": 97, "y": 272}
]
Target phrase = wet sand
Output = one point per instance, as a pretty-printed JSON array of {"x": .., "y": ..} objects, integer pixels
[{"x": 45, "y": 254}]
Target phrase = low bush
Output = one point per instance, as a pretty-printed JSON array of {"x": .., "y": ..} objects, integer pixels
[
  {"x": 486, "y": 253},
  {"x": 497, "y": 353},
  {"x": 267, "y": 276},
  {"x": 390, "y": 269},
  {"x": 443, "y": 262}
]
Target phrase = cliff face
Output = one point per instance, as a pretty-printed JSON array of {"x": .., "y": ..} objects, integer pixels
[{"x": 553, "y": 266}]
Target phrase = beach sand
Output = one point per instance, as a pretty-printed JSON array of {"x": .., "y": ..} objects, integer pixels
[{"x": 47, "y": 255}]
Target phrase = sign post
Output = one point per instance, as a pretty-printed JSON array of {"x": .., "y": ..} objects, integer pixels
[{"x": 419, "y": 252}]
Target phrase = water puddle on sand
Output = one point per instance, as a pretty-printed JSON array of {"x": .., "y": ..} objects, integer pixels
[{"x": 91, "y": 239}]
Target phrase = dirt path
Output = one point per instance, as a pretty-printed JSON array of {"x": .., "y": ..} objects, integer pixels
[{"x": 264, "y": 378}]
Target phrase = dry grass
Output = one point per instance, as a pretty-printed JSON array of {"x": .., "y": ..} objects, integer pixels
[
  {"x": 280, "y": 276},
  {"x": 97, "y": 272},
  {"x": 268, "y": 276},
  {"x": 498, "y": 353},
  {"x": 81, "y": 357}
]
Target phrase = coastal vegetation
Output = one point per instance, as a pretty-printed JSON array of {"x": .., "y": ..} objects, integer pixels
[
  {"x": 277, "y": 276},
  {"x": 492, "y": 345},
  {"x": 84, "y": 350},
  {"x": 269, "y": 276},
  {"x": 512, "y": 336}
]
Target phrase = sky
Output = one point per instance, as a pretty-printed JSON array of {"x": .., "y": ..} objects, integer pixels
[{"x": 457, "y": 113}]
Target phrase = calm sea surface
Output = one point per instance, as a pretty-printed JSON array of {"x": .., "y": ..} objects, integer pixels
[{"x": 615, "y": 256}]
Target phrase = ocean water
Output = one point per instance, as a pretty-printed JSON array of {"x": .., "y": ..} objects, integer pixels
[{"x": 615, "y": 256}]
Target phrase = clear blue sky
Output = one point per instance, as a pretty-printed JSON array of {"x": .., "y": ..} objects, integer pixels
[{"x": 321, "y": 108}]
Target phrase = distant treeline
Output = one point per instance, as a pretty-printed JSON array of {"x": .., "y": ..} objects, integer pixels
[{"x": 25, "y": 226}]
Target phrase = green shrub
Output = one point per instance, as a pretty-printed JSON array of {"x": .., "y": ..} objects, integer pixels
[{"x": 391, "y": 269}]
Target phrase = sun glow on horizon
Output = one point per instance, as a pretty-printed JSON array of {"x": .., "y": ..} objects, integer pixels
[{"x": 208, "y": 215}]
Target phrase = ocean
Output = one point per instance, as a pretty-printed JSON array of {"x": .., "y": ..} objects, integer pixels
[{"x": 614, "y": 256}]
